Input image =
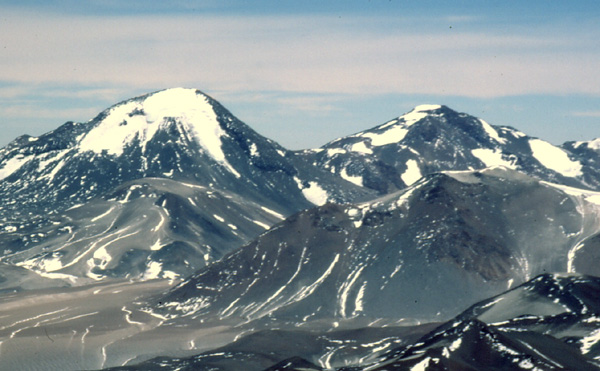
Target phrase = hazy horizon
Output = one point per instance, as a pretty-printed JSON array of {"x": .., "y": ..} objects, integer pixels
[{"x": 304, "y": 74}]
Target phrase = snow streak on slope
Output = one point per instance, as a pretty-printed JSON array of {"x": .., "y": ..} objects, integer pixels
[
  {"x": 588, "y": 205},
  {"x": 12, "y": 165}
]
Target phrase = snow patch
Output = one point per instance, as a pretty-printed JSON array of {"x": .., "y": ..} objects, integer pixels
[
  {"x": 52, "y": 159},
  {"x": 592, "y": 144},
  {"x": 455, "y": 345},
  {"x": 589, "y": 341},
  {"x": 426, "y": 107},
  {"x": 361, "y": 147},
  {"x": 152, "y": 271},
  {"x": 310, "y": 289},
  {"x": 358, "y": 302},
  {"x": 526, "y": 364},
  {"x": 358, "y": 180},
  {"x": 491, "y": 132},
  {"x": 170, "y": 275},
  {"x": 156, "y": 246},
  {"x": 396, "y": 129},
  {"x": 392, "y": 135},
  {"x": 45, "y": 264},
  {"x": 335, "y": 151},
  {"x": 313, "y": 193},
  {"x": 421, "y": 366},
  {"x": 412, "y": 173},
  {"x": 13, "y": 165},
  {"x": 554, "y": 158},
  {"x": 103, "y": 256},
  {"x": 345, "y": 288},
  {"x": 492, "y": 157}
]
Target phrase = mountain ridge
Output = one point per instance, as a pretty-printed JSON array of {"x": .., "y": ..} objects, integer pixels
[
  {"x": 177, "y": 134},
  {"x": 197, "y": 237}
]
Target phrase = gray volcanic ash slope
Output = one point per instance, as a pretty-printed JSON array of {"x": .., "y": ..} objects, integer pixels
[
  {"x": 145, "y": 229},
  {"x": 263, "y": 349},
  {"x": 434, "y": 138},
  {"x": 550, "y": 322},
  {"x": 422, "y": 254}
]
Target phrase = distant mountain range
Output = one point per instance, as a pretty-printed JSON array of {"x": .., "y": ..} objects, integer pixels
[
  {"x": 171, "y": 216},
  {"x": 434, "y": 138}
]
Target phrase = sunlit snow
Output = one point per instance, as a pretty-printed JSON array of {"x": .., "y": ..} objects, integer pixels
[
  {"x": 361, "y": 147},
  {"x": 47, "y": 264},
  {"x": 392, "y": 135},
  {"x": 140, "y": 121},
  {"x": 265, "y": 226},
  {"x": 272, "y": 212},
  {"x": 396, "y": 129},
  {"x": 492, "y": 132},
  {"x": 421, "y": 366},
  {"x": 13, "y": 165},
  {"x": 554, "y": 158},
  {"x": 492, "y": 157},
  {"x": 358, "y": 180},
  {"x": 153, "y": 271},
  {"x": 314, "y": 193},
  {"x": 334, "y": 151},
  {"x": 592, "y": 144},
  {"x": 412, "y": 173}
]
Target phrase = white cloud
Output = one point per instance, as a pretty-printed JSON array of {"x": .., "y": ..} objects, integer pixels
[{"x": 317, "y": 54}]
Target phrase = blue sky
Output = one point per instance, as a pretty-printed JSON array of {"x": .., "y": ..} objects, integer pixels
[{"x": 306, "y": 72}]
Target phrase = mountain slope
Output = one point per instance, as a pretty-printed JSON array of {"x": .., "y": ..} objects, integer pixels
[
  {"x": 260, "y": 350},
  {"x": 145, "y": 229},
  {"x": 175, "y": 133},
  {"x": 433, "y": 138},
  {"x": 161, "y": 185},
  {"x": 550, "y": 322},
  {"x": 422, "y": 254},
  {"x": 57, "y": 189}
]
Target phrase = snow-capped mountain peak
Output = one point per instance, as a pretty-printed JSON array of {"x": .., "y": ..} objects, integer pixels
[
  {"x": 140, "y": 119},
  {"x": 393, "y": 131},
  {"x": 432, "y": 138},
  {"x": 426, "y": 107}
]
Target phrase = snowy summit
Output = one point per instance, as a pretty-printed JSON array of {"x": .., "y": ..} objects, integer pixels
[{"x": 141, "y": 119}]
